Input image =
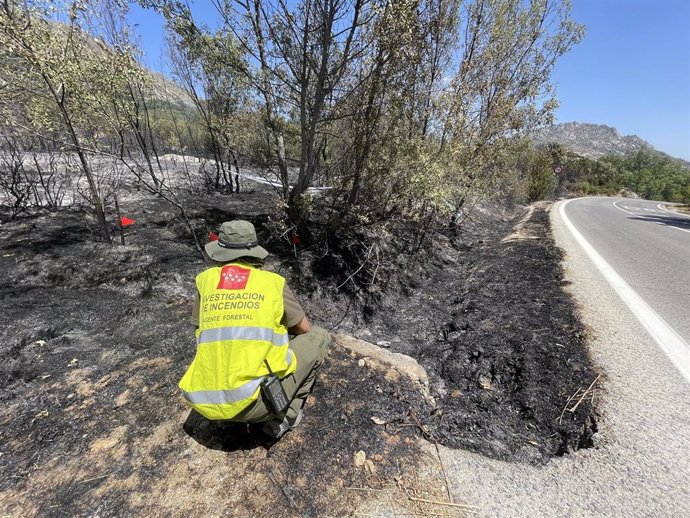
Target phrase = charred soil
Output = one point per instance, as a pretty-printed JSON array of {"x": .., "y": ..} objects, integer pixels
[
  {"x": 95, "y": 337},
  {"x": 486, "y": 311}
]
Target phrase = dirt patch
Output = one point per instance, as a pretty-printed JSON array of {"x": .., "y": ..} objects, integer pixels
[
  {"x": 151, "y": 456},
  {"x": 524, "y": 228}
]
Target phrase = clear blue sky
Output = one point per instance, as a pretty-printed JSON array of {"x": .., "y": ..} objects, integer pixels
[{"x": 631, "y": 71}]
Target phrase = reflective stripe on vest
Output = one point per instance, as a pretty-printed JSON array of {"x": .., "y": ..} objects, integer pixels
[
  {"x": 219, "y": 397},
  {"x": 242, "y": 333}
]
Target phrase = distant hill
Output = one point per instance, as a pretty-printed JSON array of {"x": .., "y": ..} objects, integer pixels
[
  {"x": 166, "y": 89},
  {"x": 590, "y": 140}
]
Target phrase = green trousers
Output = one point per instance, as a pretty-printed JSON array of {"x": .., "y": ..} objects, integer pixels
[{"x": 310, "y": 349}]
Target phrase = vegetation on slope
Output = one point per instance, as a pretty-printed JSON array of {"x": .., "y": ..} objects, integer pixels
[
  {"x": 407, "y": 111},
  {"x": 647, "y": 173}
]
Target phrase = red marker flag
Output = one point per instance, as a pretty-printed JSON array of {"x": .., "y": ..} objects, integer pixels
[
  {"x": 125, "y": 221},
  {"x": 295, "y": 240},
  {"x": 212, "y": 236}
]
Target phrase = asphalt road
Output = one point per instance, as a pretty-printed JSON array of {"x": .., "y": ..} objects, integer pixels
[
  {"x": 640, "y": 466},
  {"x": 648, "y": 246}
]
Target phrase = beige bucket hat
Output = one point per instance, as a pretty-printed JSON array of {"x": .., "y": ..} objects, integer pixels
[{"x": 235, "y": 239}]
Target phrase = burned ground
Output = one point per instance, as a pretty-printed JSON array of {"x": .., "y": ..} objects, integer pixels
[
  {"x": 94, "y": 339},
  {"x": 506, "y": 350},
  {"x": 487, "y": 314}
]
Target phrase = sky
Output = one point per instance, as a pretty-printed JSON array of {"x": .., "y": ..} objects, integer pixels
[{"x": 631, "y": 71}]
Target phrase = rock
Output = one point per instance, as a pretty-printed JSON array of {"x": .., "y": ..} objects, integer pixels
[
  {"x": 627, "y": 193},
  {"x": 590, "y": 140},
  {"x": 378, "y": 420},
  {"x": 485, "y": 383},
  {"x": 122, "y": 399},
  {"x": 361, "y": 362},
  {"x": 597, "y": 439},
  {"x": 393, "y": 365},
  {"x": 383, "y": 343},
  {"x": 360, "y": 458}
]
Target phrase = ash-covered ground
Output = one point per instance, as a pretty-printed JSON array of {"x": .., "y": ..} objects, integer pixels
[
  {"x": 501, "y": 339},
  {"x": 486, "y": 312},
  {"x": 95, "y": 337}
]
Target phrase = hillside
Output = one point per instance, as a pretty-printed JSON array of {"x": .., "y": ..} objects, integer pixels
[
  {"x": 590, "y": 140},
  {"x": 163, "y": 89}
]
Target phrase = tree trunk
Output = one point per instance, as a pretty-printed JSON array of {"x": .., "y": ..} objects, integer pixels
[
  {"x": 267, "y": 92},
  {"x": 95, "y": 197},
  {"x": 237, "y": 171},
  {"x": 119, "y": 219}
]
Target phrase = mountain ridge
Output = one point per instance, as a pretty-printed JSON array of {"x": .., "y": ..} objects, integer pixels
[
  {"x": 590, "y": 140},
  {"x": 594, "y": 140}
]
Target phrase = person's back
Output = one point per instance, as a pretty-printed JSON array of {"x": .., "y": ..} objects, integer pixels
[{"x": 243, "y": 316}]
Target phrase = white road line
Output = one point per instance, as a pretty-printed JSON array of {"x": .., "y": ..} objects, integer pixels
[
  {"x": 628, "y": 209},
  {"x": 664, "y": 335},
  {"x": 671, "y": 212},
  {"x": 674, "y": 214},
  {"x": 646, "y": 218},
  {"x": 621, "y": 208}
]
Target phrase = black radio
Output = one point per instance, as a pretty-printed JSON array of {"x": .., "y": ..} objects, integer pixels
[{"x": 273, "y": 391}]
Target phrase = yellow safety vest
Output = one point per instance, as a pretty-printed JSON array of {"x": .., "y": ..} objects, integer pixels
[{"x": 240, "y": 313}]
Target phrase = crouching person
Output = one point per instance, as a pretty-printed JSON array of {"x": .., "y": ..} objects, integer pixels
[{"x": 244, "y": 316}]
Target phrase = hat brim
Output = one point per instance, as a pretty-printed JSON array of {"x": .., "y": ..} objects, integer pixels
[{"x": 224, "y": 255}]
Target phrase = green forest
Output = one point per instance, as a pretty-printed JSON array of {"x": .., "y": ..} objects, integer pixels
[{"x": 647, "y": 173}]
